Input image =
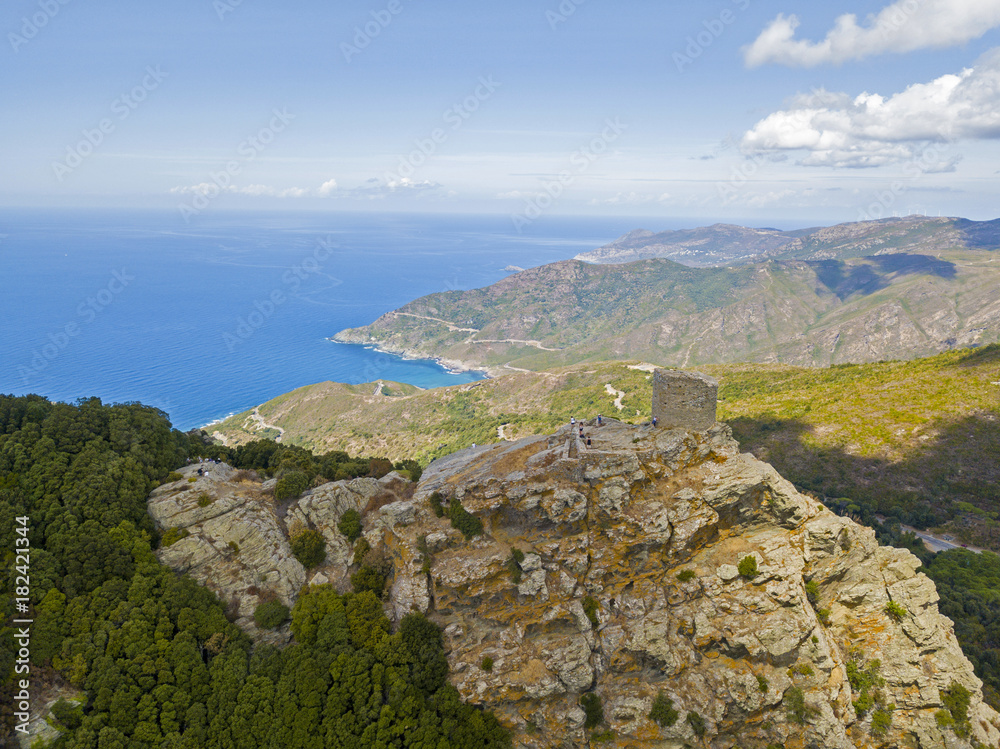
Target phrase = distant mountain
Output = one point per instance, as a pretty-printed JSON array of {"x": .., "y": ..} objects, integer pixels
[
  {"x": 913, "y": 294},
  {"x": 725, "y": 244},
  {"x": 719, "y": 244}
]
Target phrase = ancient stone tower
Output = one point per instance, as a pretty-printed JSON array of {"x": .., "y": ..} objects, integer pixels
[{"x": 684, "y": 399}]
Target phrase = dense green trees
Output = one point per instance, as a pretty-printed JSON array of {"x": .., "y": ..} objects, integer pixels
[{"x": 160, "y": 664}]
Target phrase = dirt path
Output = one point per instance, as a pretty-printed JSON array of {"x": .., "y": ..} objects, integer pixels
[
  {"x": 536, "y": 344},
  {"x": 619, "y": 393},
  {"x": 451, "y": 326},
  {"x": 502, "y": 432},
  {"x": 264, "y": 425}
]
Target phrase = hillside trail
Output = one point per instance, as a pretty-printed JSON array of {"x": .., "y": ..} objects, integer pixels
[
  {"x": 451, "y": 326},
  {"x": 619, "y": 393},
  {"x": 255, "y": 415}
]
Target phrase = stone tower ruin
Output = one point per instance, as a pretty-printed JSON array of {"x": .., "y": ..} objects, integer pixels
[{"x": 684, "y": 399}]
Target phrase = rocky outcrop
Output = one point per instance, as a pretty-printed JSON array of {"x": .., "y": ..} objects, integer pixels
[
  {"x": 235, "y": 542},
  {"x": 630, "y": 588},
  {"x": 632, "y": 581}
]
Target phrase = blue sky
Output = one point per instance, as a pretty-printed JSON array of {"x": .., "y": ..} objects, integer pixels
[{"x": 730, "y": 110}]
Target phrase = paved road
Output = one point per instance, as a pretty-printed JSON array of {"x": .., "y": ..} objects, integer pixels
[
  {"x": 936, "y": 543},
  {"x": 932, "y": 542}
]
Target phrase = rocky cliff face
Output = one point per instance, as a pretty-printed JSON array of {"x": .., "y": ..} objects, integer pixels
[{"x": 629, "y": 587}]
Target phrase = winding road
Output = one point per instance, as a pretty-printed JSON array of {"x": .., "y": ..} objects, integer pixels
[{"x": 264, "y": 425}]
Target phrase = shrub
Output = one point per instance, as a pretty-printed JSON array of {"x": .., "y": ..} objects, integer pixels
[
  {"x": 956, "y": 699},
  {"x": 361, "y": 549},
  {"x": 487, "y": 664},
  {"x": 350, "y": 525},
  {"x": 309, "y": 547},
  {"x": 881, "y": 720},
  {"x": 812, "y": 592},
  {"x": 824, "y": 617},
  {"x": 895, "y": 610},
  {"x": 798, "y": 710},
  {"x": 748, "y": 567},
  {"x": 696, "y": 722},
  {"x": 204, "y": 500},
  {"x": 464, "y": 521},
  {"x": 171, "y": 478},
  {"x": 685, "y": 576},
  {"x": 270, "y": 614},
  {"x": 591, "y": 705},
  {"x": 69, "y": 715},
  {"x": 762, "y": 684},
  {"x": 172, "y": 536},
  {"x": 514, "y": 564},
  {"x": 603, "y": 736},
  {"x": 663, "y": 711},
  {"x": 368, "y": 578},
  {"x": 291, "y": 484},
  {"x": 435, "y": 500},
  {"x": 379, "y": 467},
  {"x": 412, "y": 468},
  {"x": 234, "y": 547},
  {"x": 192, "y": 479},
  {"x": 590, "y": 606}
]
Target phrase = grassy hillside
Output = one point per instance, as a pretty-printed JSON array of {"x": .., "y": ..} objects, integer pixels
[
  {"x": 820, "y": 311},
  {"x": 917, "y": 440}
]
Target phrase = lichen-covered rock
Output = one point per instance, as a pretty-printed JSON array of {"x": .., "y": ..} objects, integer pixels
[
  {"x": 615, "y": 525},
  {"x": 599, "y": 604}
]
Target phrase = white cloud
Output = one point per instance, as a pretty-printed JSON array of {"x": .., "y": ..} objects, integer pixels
[
  {"x": 904, "y": 26},
  {"x": 327, "y": 188},
  {"x": 872, "y": 130}
]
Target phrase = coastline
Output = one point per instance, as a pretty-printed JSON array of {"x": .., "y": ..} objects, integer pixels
[{"x": 451, "y": 366}]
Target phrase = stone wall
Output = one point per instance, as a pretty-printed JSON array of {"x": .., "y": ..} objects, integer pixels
[{"x": 684, "y": 399}]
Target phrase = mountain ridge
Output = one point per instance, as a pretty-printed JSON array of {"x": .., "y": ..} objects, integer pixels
[{"x": 728, "y": 244}]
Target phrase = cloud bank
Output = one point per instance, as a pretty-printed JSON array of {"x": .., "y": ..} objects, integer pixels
[
  {"x": 871, "y": 130},
  {"x": 904, "y": 26}
]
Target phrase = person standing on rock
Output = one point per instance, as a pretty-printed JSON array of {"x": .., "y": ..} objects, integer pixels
[
  {"x": 598, "y": 420},
  {"x": 572, "y": 421}
]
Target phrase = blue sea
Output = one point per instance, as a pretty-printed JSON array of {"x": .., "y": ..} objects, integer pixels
[{"x": 213, "y": 318}]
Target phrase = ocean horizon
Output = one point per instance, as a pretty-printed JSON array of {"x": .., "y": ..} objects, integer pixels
[{"x": 210, "y": 319}]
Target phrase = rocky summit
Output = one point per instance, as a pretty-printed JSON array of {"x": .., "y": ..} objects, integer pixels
[{"x": 656, "y": 588}]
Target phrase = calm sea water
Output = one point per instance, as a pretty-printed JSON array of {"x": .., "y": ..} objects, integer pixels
[{"x": 210, "y": 319}]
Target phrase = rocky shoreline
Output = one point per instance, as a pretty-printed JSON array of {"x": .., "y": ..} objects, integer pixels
[{"x": 452, "y": 366}]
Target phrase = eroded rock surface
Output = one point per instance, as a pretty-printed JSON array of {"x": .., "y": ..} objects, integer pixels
[
  {"x": 630, "y": 586},
  {"x": 617, "y": 524}
]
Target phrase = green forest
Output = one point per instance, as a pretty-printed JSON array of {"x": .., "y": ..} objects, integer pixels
[
  {"x": 153, "y": 652},
  {"x": 160, "y": 665}
]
